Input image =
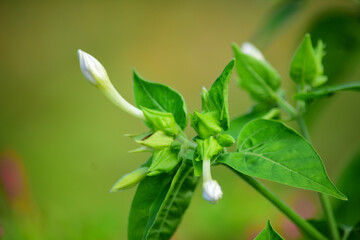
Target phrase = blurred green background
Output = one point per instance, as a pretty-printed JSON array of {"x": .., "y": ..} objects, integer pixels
[{"x": 65, "y": 142}]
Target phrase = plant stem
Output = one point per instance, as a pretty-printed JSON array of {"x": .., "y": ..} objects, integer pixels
[
  {"x": 306, "y": 227},
  {"x": 287, "y": 107},
  {"x": 325, "y": 202},
  {"x": 324, "y": 199},
  {"x": 182, "y": 138}
]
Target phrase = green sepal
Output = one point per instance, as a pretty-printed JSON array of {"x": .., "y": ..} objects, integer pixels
[
  {"x": 138, "y": 137},
  {"x": 306, "y": 66},
  {"x": 175, "y": 146},
  {"x": 256, "y": 76},
  {"x": 208, "y": 148},
  {"x": 205, "y": 124},
  {"x": 130, "y": 180},
  {"x": 163, "y": 121},
  {"x": 197, "y": 167},
  {"x": 157, "y": 140},
  {"x": 164, "y": 161},
  {"x": 268, "y": 234},
  {"x": 225, "y": 140},
  {"x": 141, "y": 149}
]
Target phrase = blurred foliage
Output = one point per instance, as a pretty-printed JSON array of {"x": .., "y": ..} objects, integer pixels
[{"x": 345, "y": 210}]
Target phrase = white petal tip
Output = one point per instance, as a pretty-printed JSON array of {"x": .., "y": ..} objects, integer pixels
[
  {"x": 251, "y": 50},
  {"x": 92, "y": 68},
  {"x": 212, "y": 191}
]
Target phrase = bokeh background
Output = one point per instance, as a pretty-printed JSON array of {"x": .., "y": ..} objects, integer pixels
[{"x": 62, "y": 143}]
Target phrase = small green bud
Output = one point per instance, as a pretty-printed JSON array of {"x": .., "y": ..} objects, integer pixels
[
  {"x": 158, "y": 140},
  {"x": 205, "y": 124},
  {"x": 306, "y": 66},
  {"x": 175, "y": 146},
  {"x": 225, "y": 140},
  {"x": 256, "y": 75},
  {"x": 208, "y": 148},
  {"x": 129, "y": 180},
  {"x": 162, "y": 121},
  {"x": 164, "y": 161}
]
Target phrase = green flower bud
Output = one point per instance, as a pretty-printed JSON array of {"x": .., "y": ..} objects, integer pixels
[
  {"x": 205, "y": 124},
  {"x": 208, "y": 148},
  {"x": 162, "y": 121},
  {"x": 158, "y": 140},
  {"x": 164, "y": 161},
  {"x": 225, "y": 140},
  {"x": 129, "y": 180},
  {"x": 175, "y": 146}
]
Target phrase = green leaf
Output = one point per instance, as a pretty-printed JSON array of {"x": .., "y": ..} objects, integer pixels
[
  {"x": 327, "y": 91},
  {"x": 306, "y": 66},
  {"x": 164, "y": 161},
  {"x": 160, "y": 97},
  {"x": 237, "y": 124},
  {"x": 164, "y": 220},
  {"x": 158, "y": 140},
  {"x": 270, "y": 150},
  {"x": 256, "y": 76},
  {"x": 216, "y": 100},
  {"x": 149, "y": 196},
  {"x": 268, "y": 234}
]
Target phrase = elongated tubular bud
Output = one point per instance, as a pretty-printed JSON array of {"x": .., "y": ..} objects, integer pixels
[
  {"x": 211, "y": 189},
  {"x": 94, "y": 71}
]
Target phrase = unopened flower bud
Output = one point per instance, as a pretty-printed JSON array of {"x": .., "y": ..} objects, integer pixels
[
  {"x": 97, "y": 75},
  {"x": 92, "y": 69},
  {"x": 251, "y": 50},
  {"x": 131, "y": 179},
  {"x": 212, "y": 191}
]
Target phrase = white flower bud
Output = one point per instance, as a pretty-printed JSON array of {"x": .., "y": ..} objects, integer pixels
[
  {"x": 251, "y": 50},
  {"x": 92, "y": 69},
  {"x": 97, "y": 75},
  {"x": 212, "y": 191}
]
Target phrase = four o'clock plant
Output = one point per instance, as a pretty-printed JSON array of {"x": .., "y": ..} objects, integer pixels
[{"x": 266, "y": 147}]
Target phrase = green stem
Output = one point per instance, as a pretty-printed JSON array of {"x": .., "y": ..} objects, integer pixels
[
  {"x": 183, "y": 139},
  {"x": 324, "y": 199},
  {"x": 325, "y": 202},
  {"x": 306, "y": 227},
  {"x": 303, "y": 129},
  {"x": 287, "y": 107}
]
